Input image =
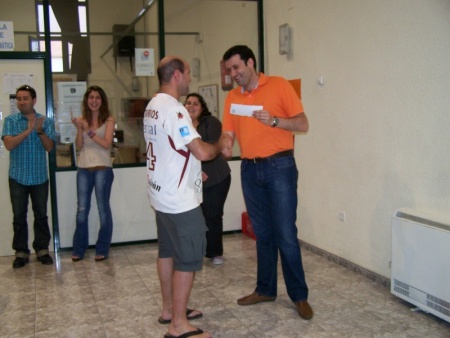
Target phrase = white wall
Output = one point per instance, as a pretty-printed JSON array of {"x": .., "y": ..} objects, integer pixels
[
  {"x": 379, "y": 128},
  {"x": 133, "y": 218}
]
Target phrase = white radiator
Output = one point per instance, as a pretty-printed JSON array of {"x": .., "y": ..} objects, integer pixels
[{"x": 421, "y": 261}]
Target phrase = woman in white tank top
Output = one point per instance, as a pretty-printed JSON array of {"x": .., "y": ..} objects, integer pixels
[{"x": 95, "y": 130}]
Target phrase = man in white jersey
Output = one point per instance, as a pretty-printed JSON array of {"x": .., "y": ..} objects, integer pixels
[{"x": 174, "y": 154}]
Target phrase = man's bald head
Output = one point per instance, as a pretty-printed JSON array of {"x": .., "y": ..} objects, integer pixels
[{"x": 168, "y": 66}]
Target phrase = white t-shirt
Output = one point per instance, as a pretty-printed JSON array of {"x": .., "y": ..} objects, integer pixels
[{"x": 174, "y": 179}]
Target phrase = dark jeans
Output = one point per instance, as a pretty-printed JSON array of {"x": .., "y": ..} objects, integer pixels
[
  {"x": 19, "y": 199},
  {"x": 270, "y": 193},
  {"x": 213, "y": 202}
]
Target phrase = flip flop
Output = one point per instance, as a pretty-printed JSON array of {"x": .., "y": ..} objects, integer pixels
[
  {"x": 197, "y": 316},
  {"x": 185, "y": 335},
  {"x": 188, "y": 312}
]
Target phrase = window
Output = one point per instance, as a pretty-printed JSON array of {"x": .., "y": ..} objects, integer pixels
[{"x": 69, "y": 39}]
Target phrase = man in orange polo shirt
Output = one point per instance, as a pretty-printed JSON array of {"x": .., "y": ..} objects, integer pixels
[{"x": 262, "y": 113}]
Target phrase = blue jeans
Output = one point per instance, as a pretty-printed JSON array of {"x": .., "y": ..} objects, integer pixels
[
  {"x": 19, "y": 194},
  {"x": 270, "y": 193},
  {"x": 102, "y": 181}
]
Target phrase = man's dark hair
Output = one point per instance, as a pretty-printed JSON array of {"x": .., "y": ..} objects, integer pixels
[
  {"x": 28, "y": 89},
  {"x": 167, "y": 69},
  {"x": 243, "y": 51}
]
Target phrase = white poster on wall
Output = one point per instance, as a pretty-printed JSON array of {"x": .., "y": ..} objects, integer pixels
[
  {"x": 145, "y": 61},
  {"x": 70, "y": 96},
  {"x": 6, "y": 36},
  {"x": 13, "y": 80}
]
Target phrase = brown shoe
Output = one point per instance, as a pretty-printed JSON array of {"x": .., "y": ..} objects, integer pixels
[
  {"x": 254, "y": 298},
  {"x": 304, "y": 309}
]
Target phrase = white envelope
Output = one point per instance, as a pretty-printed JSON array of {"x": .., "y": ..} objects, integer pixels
[{"x": 243, "y": 109}]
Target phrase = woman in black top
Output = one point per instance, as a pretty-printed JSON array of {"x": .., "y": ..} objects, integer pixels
[{"x": 215, "y": 174}]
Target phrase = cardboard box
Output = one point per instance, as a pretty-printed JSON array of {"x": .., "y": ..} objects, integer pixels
[{"x": 247, "y": 228}]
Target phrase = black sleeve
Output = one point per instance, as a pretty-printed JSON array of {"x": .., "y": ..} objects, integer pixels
[{"x": 213, "y": 129}]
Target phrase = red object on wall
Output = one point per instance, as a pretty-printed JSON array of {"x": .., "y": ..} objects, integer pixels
[
  {"x": 247, "y": 228},
  {"x": 225, "y": 78}
]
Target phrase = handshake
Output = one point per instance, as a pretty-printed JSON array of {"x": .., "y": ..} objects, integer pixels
[{"x": 225, "y": 145}]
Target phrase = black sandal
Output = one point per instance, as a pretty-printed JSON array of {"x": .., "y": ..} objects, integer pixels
[{"x": 188, "y": 312}]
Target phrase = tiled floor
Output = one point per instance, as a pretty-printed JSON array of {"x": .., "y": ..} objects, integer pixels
[{"x": 120, "y": 297}]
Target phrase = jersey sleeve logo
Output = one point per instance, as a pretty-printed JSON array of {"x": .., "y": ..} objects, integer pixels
[
  {"x": 184, "y": 131},
  {"x": 180, "y": 115}
]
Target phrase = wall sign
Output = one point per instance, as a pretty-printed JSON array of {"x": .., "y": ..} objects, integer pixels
[
  {"x": 6, "y": 36},
  {"x": 145, "y": 62}
]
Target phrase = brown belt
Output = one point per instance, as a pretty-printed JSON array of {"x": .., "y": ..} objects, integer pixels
[
  {"x": 263, "y": 159},
  {"x": 99, "y": 167}
]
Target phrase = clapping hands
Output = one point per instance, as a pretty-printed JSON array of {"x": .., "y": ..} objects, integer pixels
[
  {"x": 80, "y": 123},
  {"x": 36, "y": 123}
]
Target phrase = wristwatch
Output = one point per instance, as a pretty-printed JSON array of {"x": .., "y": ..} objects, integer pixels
[
  {"x": 275, "y": 122},
  {"x": 40, "y": 132}
]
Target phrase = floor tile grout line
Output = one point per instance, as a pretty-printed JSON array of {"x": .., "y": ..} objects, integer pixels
[{"x": 93, "y": 294}]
